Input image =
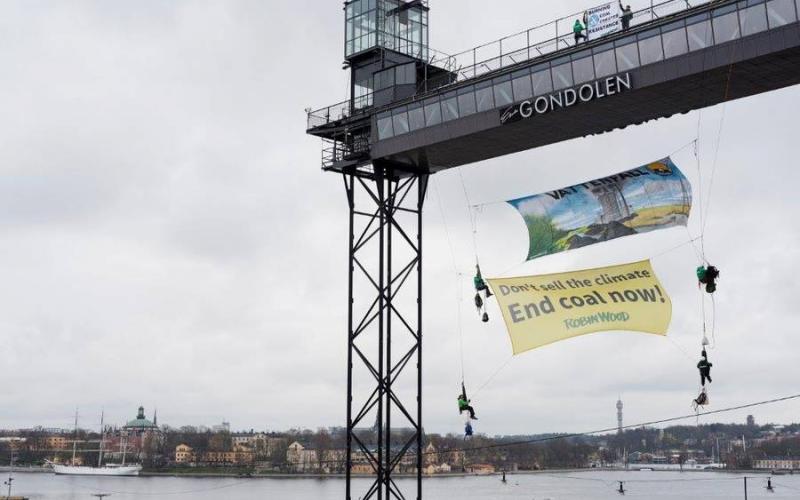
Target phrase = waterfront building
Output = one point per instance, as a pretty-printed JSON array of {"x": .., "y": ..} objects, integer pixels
[
  {"x": 141, "y": 425},
  {"x": 139, "y": 435},
  {"x": 430, "y": 457},
  {"x": 58, "y": 442},
  {"x": 777, "y": 463},
  {"x": 184, "y": 454},
  {"x": 431, "y": 469},
  {"x": 480, "y": 469},
  {"x": 300, "y": 458},
  {"x": 238, "y": 455}
]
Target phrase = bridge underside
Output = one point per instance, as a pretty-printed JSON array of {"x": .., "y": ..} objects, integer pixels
[{"x": 745, "y": 67}]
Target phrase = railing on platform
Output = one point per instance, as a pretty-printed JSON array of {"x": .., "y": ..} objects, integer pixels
[
  {"x": 338, "y": 111},
  {"x": 508, "y": 51},
  {"x": 350, "y": 147},
  {"x": 724, "y": 21},
  {"x": 542, "y": 40}
]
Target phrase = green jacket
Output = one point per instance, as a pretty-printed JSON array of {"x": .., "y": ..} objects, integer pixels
[
  {"x": 462, "y": 403},
  {"x": 578, "y": 27}
]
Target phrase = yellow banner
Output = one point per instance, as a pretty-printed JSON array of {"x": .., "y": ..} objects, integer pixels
[{"x": 540, "y": 310}]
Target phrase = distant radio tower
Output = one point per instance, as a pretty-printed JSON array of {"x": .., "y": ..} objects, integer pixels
[{"x": 619, "y": 416}]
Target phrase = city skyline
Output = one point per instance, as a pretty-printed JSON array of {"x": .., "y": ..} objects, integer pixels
[{"x": 167, "y": 236}]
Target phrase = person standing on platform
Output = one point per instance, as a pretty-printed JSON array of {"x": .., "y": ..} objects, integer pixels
[
  {"x": 626, "y": 15},
  {"x": 577, "y": 30}
]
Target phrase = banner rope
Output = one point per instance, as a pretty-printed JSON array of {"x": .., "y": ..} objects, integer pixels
[{"x": 459, "y": 293}]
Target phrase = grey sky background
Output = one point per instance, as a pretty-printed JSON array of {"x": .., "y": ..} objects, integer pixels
[{"x": 168, "y": 239}]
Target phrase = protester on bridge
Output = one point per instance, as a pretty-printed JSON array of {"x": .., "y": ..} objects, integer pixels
[
  {"x": 578, "y": 30},
  {"x": 463, "y": 404},
  {"x": 467, "y": 430},
  {"x": 625, "y": 17},
  {"x": 705, "y": 368}
]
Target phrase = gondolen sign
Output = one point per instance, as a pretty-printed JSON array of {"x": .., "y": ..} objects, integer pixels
[{"x": 566, "y": 98}]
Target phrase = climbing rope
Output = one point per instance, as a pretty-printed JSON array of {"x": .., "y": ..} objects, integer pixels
[{"x": 459, "y": 293}]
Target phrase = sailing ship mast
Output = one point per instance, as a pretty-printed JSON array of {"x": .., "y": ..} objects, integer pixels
[
  {"x": 123, "y": 443},
  {"x": 102, "y": 439},
  {"x": 75, "y": 438}
]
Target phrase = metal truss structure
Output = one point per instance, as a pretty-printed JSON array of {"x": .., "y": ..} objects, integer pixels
[{"x": 384, "y": 326}]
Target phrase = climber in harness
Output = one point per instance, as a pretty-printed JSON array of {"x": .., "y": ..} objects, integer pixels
[
  {"x": 705, "y": 368},
  {"x": 481, "y": 286},
  {"x": 467, "y": 430},
  {"x": 707, "y": 275},
  {"x": 463, "y": 404}
]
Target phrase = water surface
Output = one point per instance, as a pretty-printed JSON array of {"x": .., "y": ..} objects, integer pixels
[{"x": 557, "y": 486}]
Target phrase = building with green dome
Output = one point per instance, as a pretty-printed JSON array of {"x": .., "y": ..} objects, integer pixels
[
  {"x": 140, "y": 424},
  {"x": 137, "y": 436}
]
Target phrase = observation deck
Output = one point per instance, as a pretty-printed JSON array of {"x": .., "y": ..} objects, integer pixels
[{"x": 533, "y": 91}]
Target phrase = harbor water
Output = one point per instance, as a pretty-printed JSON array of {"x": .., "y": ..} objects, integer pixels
[{"x": 538, "y": 486}]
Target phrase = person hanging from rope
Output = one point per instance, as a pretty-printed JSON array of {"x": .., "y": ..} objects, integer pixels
[
  {"x": 481, "y": 286},
  {"x": 463, "y": 403},
  {"x": 707, "y": 275},
  {"x": 705, "y": 368},
  {"x": 701, "y": 400},
  {"x": 467, "y": 430}
]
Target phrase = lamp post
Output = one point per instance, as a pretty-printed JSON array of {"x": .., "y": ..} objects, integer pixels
[{"x": 10, "y": 475}]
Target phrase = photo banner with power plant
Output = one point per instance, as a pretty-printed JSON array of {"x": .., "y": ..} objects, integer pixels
[
  {"x": 653, "y": 196},
  {"x": 540, "y": 310}
]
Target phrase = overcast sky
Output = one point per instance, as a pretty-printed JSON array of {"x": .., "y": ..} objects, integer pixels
[{"x": 167, "y": 237}]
